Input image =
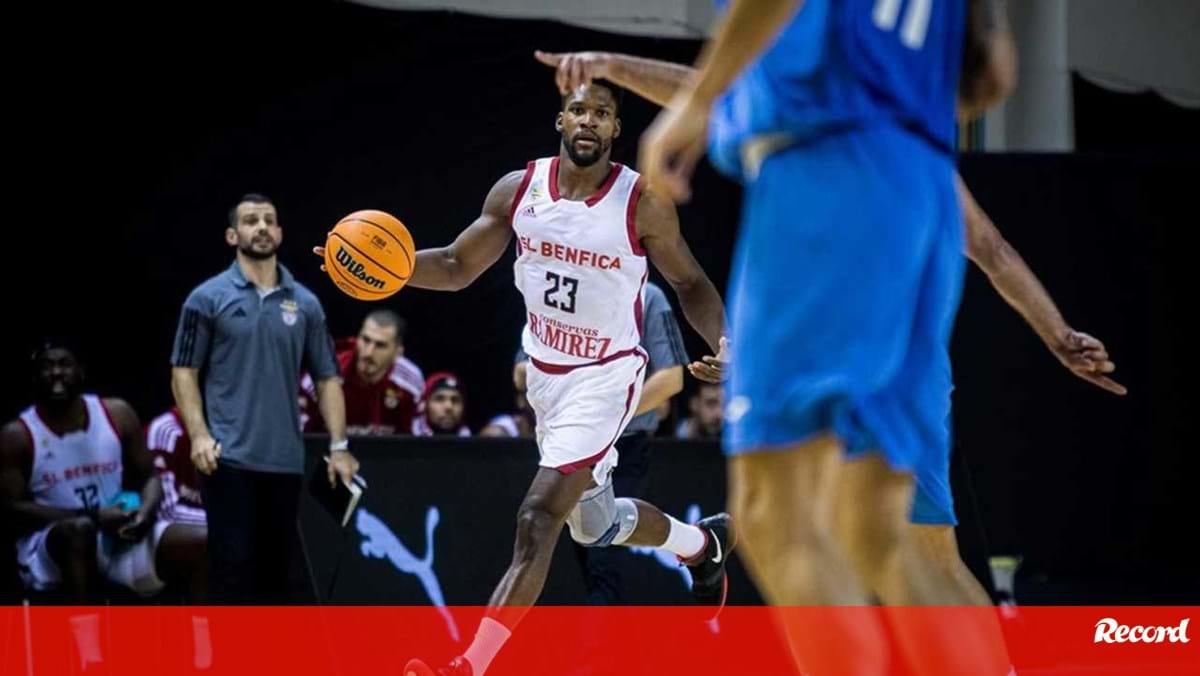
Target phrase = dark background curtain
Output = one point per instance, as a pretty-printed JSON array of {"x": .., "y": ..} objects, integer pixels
[{"x": 130, "y": 144}]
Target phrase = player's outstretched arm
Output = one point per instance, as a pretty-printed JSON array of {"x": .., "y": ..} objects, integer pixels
[
  {"x": 454, "y": 267},
  {"x": 745, "y": 32},
  {"x": 658, "y": 229},
  {"x": 654, "y": 80},
  {"x": 1012, "y": 278},
  {"x": 989, "y": 67}
]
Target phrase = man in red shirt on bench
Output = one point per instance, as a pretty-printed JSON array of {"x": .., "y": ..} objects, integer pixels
[{"x": 382, "y": 386}]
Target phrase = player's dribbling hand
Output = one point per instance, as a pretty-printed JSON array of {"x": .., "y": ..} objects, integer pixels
[
  {"x": 671, "y": 147},
  {"x": 342, "y": 464},
  {"x": 712, "y": 369},
  {"x": 205, "y": 452},
  {"x": 1087, "y": 358},
  {"x": 320, "y": 253},
  {"x": 575, "y": 68}
]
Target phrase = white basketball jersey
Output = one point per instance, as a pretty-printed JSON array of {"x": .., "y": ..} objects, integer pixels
[
  {"x": 579, "y": 266},
  {"x": 79, "y": 470}
]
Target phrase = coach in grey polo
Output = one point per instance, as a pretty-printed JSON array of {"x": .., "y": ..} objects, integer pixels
[
  {"x": 248, "y": 333},
  {"x": 251, "y": 345}
]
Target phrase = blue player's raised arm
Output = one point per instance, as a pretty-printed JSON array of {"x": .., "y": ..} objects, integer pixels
[{"x": 675, "y": 142}]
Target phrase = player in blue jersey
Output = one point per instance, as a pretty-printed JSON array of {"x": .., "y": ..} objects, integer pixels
[
  {"x": 846, "y": 281},
  {"x": 932, "y": 515}
]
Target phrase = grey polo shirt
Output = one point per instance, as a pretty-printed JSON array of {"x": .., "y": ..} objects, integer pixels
[
  {"x": 251, "y": 350},
  {"x": 661, "y": 340}
]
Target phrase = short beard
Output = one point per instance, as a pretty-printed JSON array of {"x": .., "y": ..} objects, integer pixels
[
  {"x": 249, "y": 252},
  {"x": 585, "y": 160}
]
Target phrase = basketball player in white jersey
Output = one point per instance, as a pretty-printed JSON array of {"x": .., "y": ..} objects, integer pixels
[
  {"x": 584, "y": 230},
  {"x": 62, "y": 462}
]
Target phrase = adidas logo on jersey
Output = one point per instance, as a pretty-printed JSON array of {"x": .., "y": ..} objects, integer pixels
[
  {"x": 358, "y": 270},
  {"x": 529, "y": 211}
]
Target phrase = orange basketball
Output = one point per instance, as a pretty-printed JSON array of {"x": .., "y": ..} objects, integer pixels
[{"x": 370, "y": 255}]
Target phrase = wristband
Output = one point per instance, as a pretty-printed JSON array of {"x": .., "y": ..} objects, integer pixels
[{"x": 343, "y": 445}]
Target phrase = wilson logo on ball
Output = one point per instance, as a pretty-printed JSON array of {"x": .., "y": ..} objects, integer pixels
[
  {"x": 357, "y": 269},
  {"x": 369, "y": 255}
]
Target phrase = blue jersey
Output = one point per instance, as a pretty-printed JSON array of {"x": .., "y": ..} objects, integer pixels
[{"x": 844, "y": 64}]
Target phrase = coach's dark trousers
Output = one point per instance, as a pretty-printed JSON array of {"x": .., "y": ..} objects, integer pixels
[
  {"x": 604, "y": 567},
  {"x": 251, "y": 530}
]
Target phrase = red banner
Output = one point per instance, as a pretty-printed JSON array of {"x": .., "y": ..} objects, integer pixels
[{"x": 131, "y": 641}]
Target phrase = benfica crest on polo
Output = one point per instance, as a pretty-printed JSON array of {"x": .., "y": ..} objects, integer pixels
[{"x": 289, "y": 311}]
